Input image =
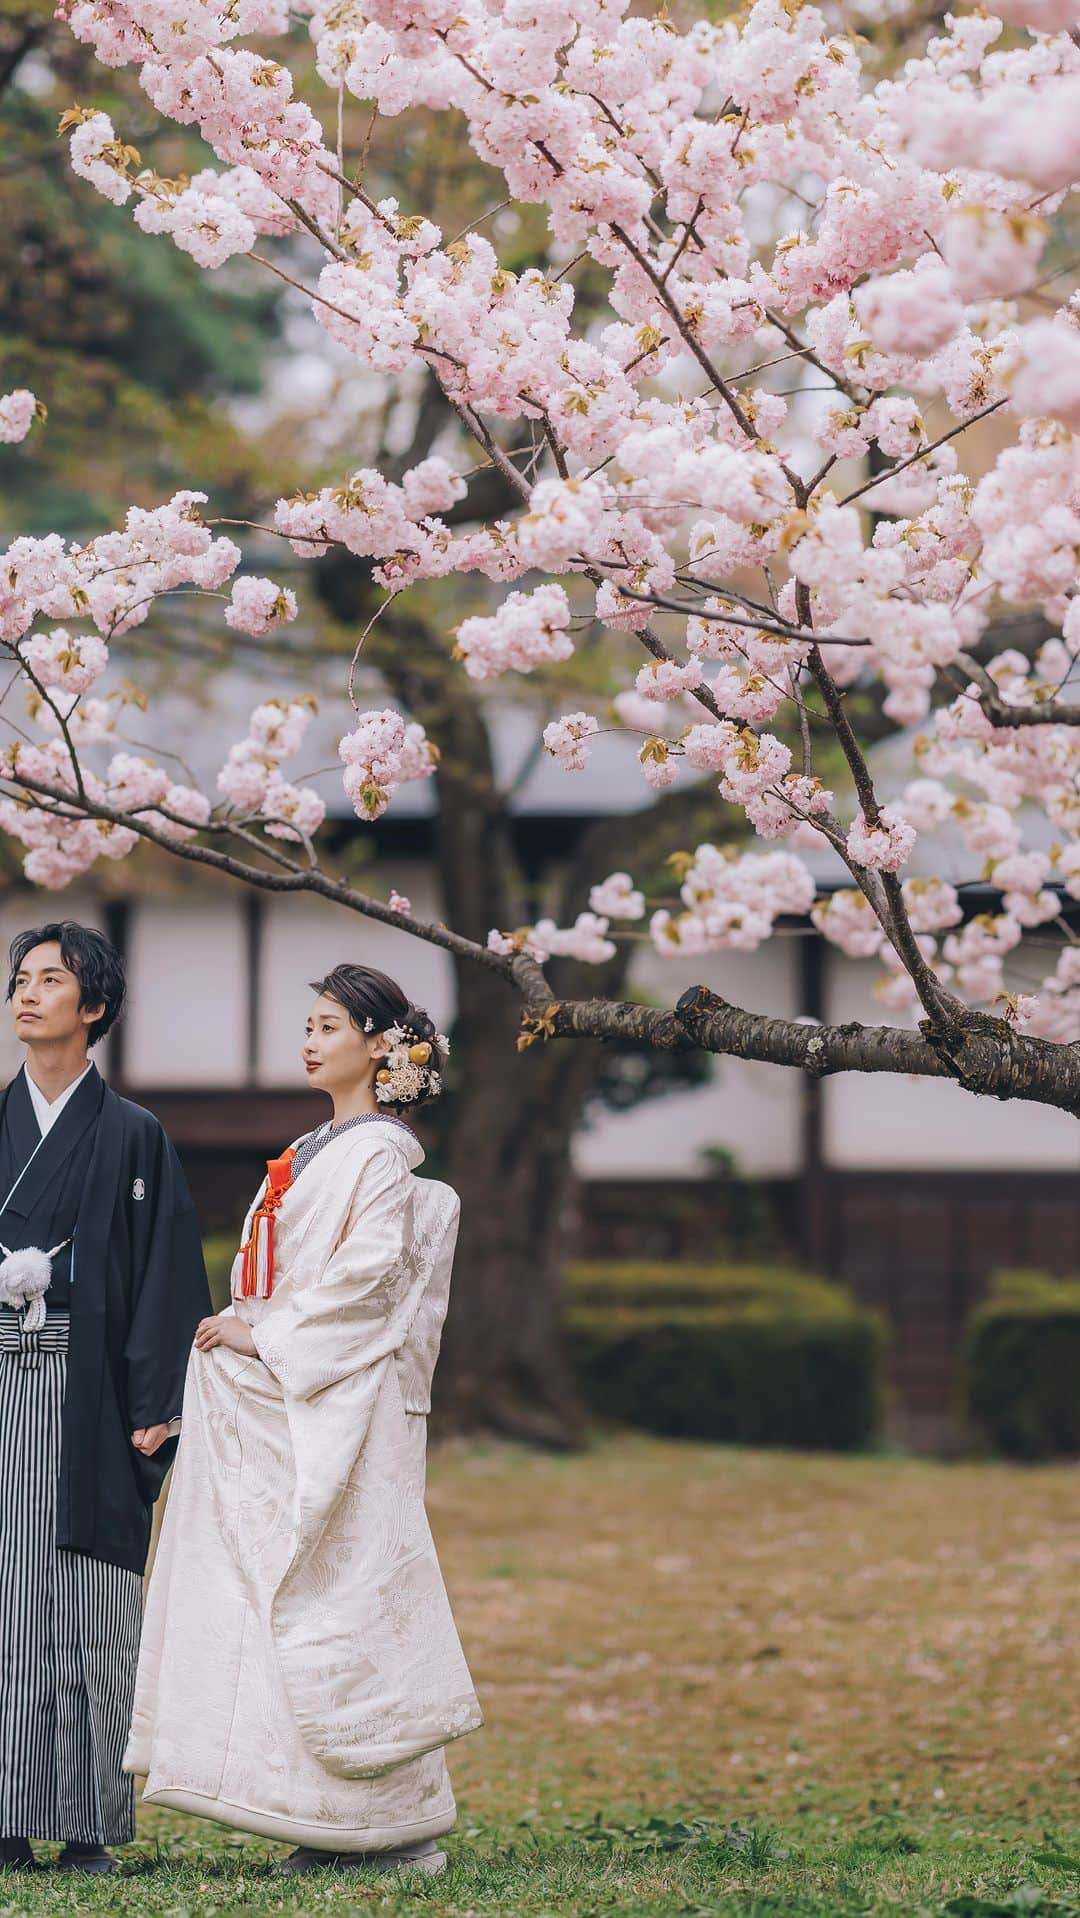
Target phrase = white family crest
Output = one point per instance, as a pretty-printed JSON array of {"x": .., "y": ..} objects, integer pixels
[{"x": 138, "y": 1190}]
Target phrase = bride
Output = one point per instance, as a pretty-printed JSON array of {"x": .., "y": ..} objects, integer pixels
[{"x": 300, "y": 1670}]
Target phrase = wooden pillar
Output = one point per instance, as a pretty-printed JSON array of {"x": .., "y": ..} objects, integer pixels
[
  {"x": 117, "y": 928},
  {"x": 253, "y": 944}
]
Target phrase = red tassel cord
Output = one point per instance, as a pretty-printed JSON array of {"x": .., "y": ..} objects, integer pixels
[{"x": 257, "y": 1270}]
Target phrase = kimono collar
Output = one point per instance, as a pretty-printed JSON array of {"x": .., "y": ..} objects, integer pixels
[
  {"x": 80, "y": 1112},
  {"x": 47, "y": 1111},
  {"x": 385, "y": 1127}
]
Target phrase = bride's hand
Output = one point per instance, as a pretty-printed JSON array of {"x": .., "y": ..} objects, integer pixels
[{"x": 225, "y": 1330}]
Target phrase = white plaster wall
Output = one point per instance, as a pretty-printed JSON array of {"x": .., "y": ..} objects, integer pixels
[
  {"x": 752, "y": 1110},
  {"x": 187, "y": 993},
  {"x": 874, "y": 1121},
  {"x": 304, "y": 938}
]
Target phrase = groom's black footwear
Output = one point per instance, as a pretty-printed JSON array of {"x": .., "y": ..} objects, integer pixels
[
  {"x": 93, "y": 1860},
  {"x": 16, "y": 1855}
]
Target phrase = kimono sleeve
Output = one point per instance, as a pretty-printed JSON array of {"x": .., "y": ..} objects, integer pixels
[
  {"x": 334, "y": 1324},
  {"x": 170, "y": 1294}
]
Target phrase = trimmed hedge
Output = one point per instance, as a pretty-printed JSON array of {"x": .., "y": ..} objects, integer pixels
[
  {"x": 744, "y": 1355},
  {"x": 1022, "y": 1364},
  {"x": 652, "y": 1283},
  {"x": 749, "y": 1355}
]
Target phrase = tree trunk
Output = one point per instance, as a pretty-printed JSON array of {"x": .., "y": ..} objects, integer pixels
[
  {"x": 507, "y": 1129},
  {"x": 510, "y": 1126},
  {"x": 511, "y": 1121}
]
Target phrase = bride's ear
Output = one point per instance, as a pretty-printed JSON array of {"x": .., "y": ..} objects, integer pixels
[{"x": 378, "y": 1045}]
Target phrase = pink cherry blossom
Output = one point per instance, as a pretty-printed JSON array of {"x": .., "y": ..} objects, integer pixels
[
  {"x": 70, "y": 662},
  {"x": 564, "y": 518},
  {"x": 278, "y": 726},
  {"x": 585, "y": 940},
  {"x": 993, "y": 254},
  {"x": 244, "y": 778},
  {"x": 566, "y": 739},
  {"x": 431, "y": 487},
  {"x": 291, "y": 812},
  {"x": 257, "y": 606},
  {"x": 1047, "y": 374},
  {"x": 847, "y": 920},
  {"x": 616, "y": 897},
  {"x": 384, "y": 752},
  {"x": 135, "y": 783},
  {"x": 883, "y": 847},
  {"x": 666, "y": 679},
  {"x": 97, "y": 156},
  {"x": 753, "y": 763},
  {"x": 932, "y": 904},
  {"x": 910, "y": 312},
  {"x": 18, "y": 410},
  {"x": 529, "y": 630}
]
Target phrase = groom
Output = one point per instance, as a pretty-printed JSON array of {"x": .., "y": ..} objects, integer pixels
[{"x": 102, "y": 1284}]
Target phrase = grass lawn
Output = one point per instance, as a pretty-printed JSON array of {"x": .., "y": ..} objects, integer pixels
[{"x": 723, "y": 1682}]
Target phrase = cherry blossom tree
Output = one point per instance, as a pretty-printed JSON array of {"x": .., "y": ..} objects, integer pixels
[{"x": 811, "y": 271}]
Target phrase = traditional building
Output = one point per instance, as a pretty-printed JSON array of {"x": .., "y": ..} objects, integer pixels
[{"x": 911, "y": 1190}]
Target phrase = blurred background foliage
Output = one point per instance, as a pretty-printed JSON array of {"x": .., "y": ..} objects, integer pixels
[{"x": 130, "y": 346}]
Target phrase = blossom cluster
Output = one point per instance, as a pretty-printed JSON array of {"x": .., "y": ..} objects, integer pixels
[
  {"x": 113, "y": 581},
  {"x": 18, "y": 411},
  {"x": 252, "y": 780},
  {"x": 384, "y": 752},
  {"x": 44, "y": 810},
  {"x": 752, "y": 192}
]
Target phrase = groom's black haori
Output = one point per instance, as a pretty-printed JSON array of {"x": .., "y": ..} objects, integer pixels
[
  {"x": 76, "y": 1497},
  {"x": 108, "y": 1175}
]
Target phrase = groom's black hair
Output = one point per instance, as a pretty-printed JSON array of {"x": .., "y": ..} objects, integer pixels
[{"x": 96, "y": 964}]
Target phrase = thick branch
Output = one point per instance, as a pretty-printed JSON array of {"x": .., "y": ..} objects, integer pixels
[{"x": 981, "y": 1053}]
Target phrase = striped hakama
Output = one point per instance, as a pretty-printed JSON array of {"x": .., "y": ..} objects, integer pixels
[{"x": 69, "y": 1625}]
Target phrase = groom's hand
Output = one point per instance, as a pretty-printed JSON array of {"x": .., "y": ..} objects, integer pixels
[{"x": 148, "y": 1438}]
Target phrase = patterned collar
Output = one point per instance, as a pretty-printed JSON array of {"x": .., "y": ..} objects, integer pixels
[{"x": 313, "y": 1142}]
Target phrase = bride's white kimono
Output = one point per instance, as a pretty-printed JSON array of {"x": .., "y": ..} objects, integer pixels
[{"x": 300, "y": 1668}]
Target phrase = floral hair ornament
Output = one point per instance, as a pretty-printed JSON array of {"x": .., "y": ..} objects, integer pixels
[{"x": 411, "y": 1068}]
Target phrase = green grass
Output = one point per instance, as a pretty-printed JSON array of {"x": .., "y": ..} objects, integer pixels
[
  {"x": 726, "y": 1682},
  {"x": 646, "y": 1868}
]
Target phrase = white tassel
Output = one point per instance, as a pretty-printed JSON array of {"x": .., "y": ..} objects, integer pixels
[
  {"x": 24, "y": 1280},
  {"x": 260, "y": 1259},
  {"x": 25, "y": 1277}
]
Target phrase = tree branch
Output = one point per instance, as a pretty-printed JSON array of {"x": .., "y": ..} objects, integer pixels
[
  {"x": 1048, "y": 712},
  {"x": 981, "y": 1053},
  {"x": 300, "y": 879}
]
